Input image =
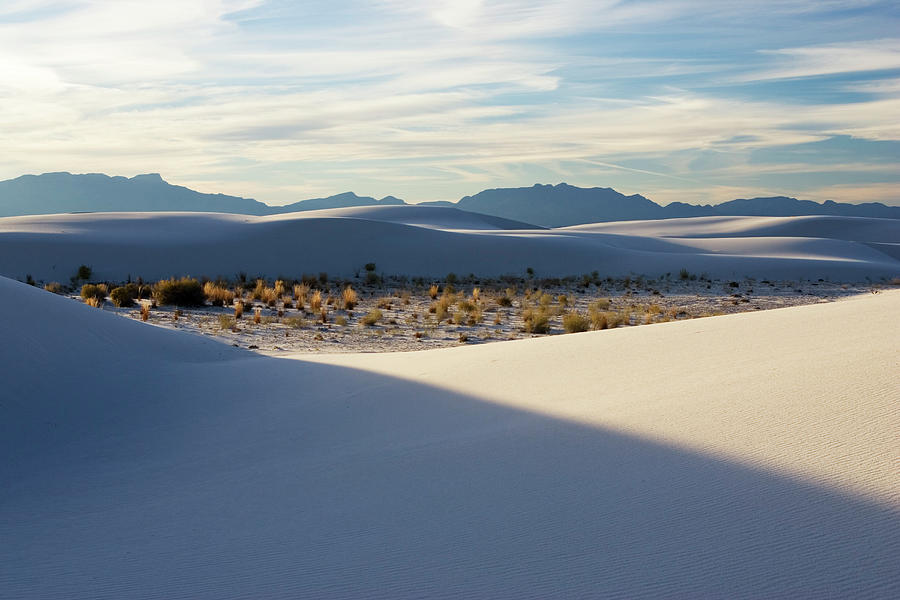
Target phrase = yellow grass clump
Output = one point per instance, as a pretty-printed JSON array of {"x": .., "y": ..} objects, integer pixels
[
  {"x": 349, "y": 297},
  {"x": 315, "y": 303}
]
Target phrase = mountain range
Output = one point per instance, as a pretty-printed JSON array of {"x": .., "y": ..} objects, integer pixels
[{"x": 545, "y": 205}]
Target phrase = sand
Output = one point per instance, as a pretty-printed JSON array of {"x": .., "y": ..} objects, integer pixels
[
  {"x": 743, "y": 456},
  {"x": 431, "y": 241}
]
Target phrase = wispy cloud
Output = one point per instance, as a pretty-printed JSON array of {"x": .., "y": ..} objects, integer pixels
[{"x": 429, "y": 99}]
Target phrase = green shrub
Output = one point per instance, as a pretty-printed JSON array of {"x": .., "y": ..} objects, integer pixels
[
  {"x": 84, "y": 273},
  {"x": 186, "y": 291},
  {"x": 574, "y": 322}
]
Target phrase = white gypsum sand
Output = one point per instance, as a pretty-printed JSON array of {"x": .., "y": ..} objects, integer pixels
[
  {"x": 745, "y": 456},
  {"x": 430, "y": 241}
]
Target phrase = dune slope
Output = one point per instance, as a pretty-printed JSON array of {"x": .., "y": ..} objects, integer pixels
[
  {"x": 429, "y": 241},
  {"x": 744, "y": 456}
]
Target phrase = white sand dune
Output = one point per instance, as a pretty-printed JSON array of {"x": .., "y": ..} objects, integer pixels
[
  {"x": 747, "y": 456},
  {"x": 431, "y": 241}
]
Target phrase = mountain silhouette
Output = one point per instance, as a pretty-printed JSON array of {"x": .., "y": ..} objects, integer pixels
[{"x": 545, "y": 205}]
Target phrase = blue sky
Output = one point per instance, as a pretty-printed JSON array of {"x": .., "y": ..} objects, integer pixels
[{"x": 679, "y": 100}]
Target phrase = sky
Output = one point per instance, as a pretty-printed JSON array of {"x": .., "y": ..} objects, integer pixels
[{"x": 678, "y": 100}]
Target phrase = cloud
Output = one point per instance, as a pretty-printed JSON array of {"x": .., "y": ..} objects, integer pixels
[{"x": 327, "y": 95}]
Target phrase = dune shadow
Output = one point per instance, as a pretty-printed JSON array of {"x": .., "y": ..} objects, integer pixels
[{"x": 275, "y": 478}]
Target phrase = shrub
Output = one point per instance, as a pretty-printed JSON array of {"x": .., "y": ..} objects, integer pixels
[
  {"x": 372, "y": 317},
  {"x": 433, "y": 291},
  {"x": 301, "y": 295},
  {"x": 279, "y": 288},
  {"x": 145, "y": 311},
  {"x": 476, "y": 294},
  {"x": 226, "y": 321},
  {"x": 599, "y": 321},
  {"x": 186, "y": 291},
  {"x": 504, "y": 300},
  {"x": 257, "y": 315},
  {"x": 239, "y": 309},
  {"x": 536, "y": 321},
  {"x": 84, "y": 273},
  {"x": 384, "y": 303},
  {"x": 54, "y": 287},
  {"x": 123, "y": 297},
  {"x": 574, "y": 322},
  {"x": 349, "y": 297},
  {"x": 341, "y": 320},
  {"x": 90, "y": 290},
  {"x": 370, "y": 267}
]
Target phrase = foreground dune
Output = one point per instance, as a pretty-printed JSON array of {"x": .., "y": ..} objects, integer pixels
[
  {"x": 747, "y": 456},
  {"x": 429, "y": 241}
]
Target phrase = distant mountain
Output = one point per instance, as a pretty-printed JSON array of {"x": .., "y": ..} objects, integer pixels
[
  {"x": 63, "y": 192},
  {"x": 345, "y": 200},
  {"x": 562, "y": 205},
  {"x": 94, "y": 192},
  {"x": 545, "y": 205}
]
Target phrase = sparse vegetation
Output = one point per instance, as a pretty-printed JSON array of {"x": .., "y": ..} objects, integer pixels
[
  {"x": 536, "y": 320},
  {"x": 90, "y": 291},
  {"x": 350, "y": 298},
  {"x": 186, "y": 291},
  {"x": 54, "y": 287},
  {"x": 372, "y": 317},
  {"x": 574, "y": 322}
]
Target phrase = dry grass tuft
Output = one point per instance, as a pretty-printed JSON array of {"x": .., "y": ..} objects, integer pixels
[
  {"x": 433, "y": 291},
  {"x": 350, "y": 298},
  {"x": 536, "y": 320},
  {"x": 239, "y": 309},
  {"x": 54, "y": 287},
  {"x": 373, "y": 317},
  {"x": 145, "y": 311},
  {"x": 217, "y": 295},
  {"x": 574, "y": 322},
  {"x": 257, "y": 315},
  {"x": 315, "y": 302}
]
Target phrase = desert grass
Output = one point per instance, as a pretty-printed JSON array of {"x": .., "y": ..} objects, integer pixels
[
  {"x": 217, "y": 295},
  {"x": 95, "y": 302},
  {"x": 54, "y": 287},
  {"x": 372, "y": 317},
  {"x": 433, "y": 291},
  {"x": 536, "y": 320},
  {"x": 301, "y": 294},
  {"x": 145, "y": 311},
  {"x": 294, "y": 322},
  {"x": 279, "y": 288},
  {"x": 226, "y": 322},
  {"x": 238, "y": 309},
  {"x": 257, "y": 315},
  {"x": 315, "y": 301},
  {"x": 349, "y": 297},
  {"x": 574, "y": 322}
]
